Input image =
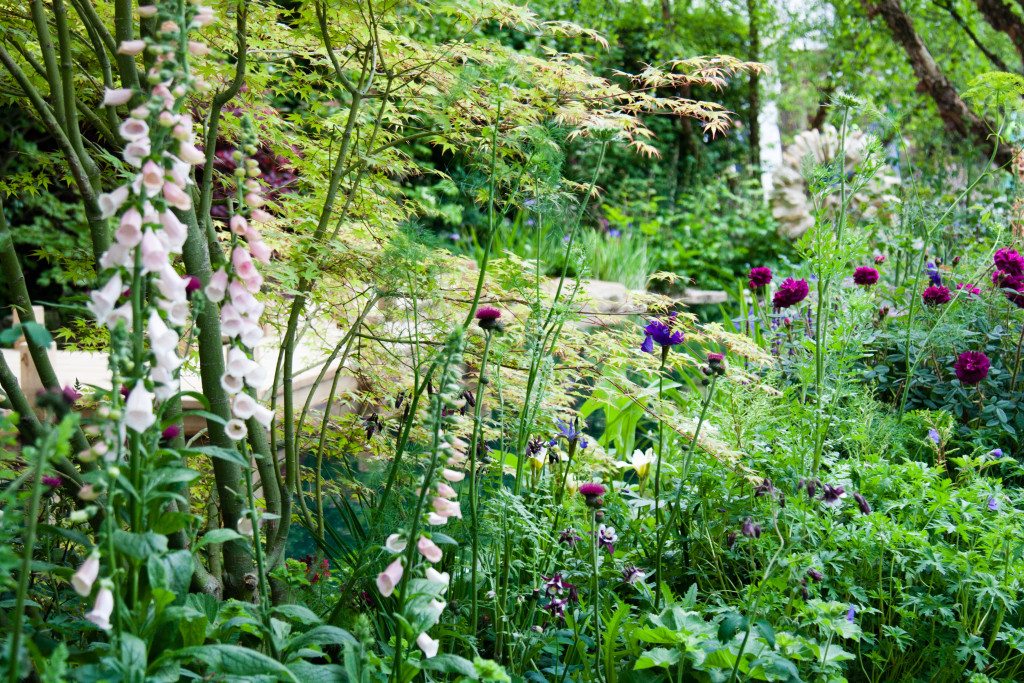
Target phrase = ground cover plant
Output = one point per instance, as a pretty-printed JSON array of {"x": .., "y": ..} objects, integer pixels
[{"x": 326, "y": 388}]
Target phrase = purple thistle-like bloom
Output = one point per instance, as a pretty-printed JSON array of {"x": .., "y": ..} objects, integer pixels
[
  {"x": 832, "y": 494},
  {"x": 592, "y": 492},
  {"x": 935, "y": 295},
  {"x": 971, "y": 367},
  {"x": 993, "y": 504},
  {"x": 862, "y": 503},
  {"x": 51, "y": 481},
  {"x": 1009, "y": 260},
  {"x": 790, "y": 293},
  {"x": 569, "y": 537},
  {"x": 171, "y": 432},
  {"x": 759, "y": 277},
  {"x": 865, "y": 276},
  {"x": 661, "y": 333},
  {"x": 487, "y": 317}
]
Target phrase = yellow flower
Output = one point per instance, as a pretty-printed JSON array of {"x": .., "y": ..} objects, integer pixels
[{"x": 640, "y": 462}]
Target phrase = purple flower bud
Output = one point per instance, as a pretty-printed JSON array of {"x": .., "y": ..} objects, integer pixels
[
  {"x": 862, "y": 503},
  {"x": 171, "y": 432},
  {"x": 815, "y": 574}
]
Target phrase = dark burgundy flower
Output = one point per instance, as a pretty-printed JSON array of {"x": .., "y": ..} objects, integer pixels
[
  {"x": 935, "y": 295},
  {"x": 862, "y": 503},
  {"x": 865, "y": 276},
  {"x": 760, "y": 276},
  {"x": 171, "y": 432},
  {"x": 971, "y": 367},
  {"x": 487, "y": 317},
  {"x": 1012, "y": 286},
  {"x": 730, "y": 539},
  {"x": 1010, "y": 261},
  {"x": 790, "y": 293},
  {"x": 765, "y": 488},
  {"x": 662, "y": 333}
]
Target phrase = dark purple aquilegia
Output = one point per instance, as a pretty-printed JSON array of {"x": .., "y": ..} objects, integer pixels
[{"x": 662, "y": 333}]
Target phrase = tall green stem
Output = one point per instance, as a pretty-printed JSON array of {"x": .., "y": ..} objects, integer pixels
[
  {"x": 657, "y": 480},
  {"x": 473, "y": 492}
]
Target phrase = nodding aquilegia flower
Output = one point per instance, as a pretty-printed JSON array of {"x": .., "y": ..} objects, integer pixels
[
  {"x": 832, "y": 494},
  {"x": 790, "y": 293},
  {"x": 865, "y": 276},
  {"x": 633, "y": 575},
  {"x": 933, "y": 274},
  {"x": 606, "y": 538},
  {"x": 971, "y": 367},
  {"x": 662, "y": 333},
  {"x": 569, "y": 537},
  {"x": 759, "y": 277}
]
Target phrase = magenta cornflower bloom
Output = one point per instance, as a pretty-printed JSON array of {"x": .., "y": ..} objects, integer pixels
[
  {"x": 661, "y": 333},
  {"x": 935, "y": 295},
  {"x": 716, "y": 358},
  {"x": 1009, "y": 260},
  {"x": 971, "y": 367},
  {"x": 487, "y": 317},
  {"x": 759, "y": 277},
  {"x": 52, "y": 481},
  {"x": 790, "y": 293},
  {"x": 171, "y": 432},
  {"x": 865, "y": 276}
]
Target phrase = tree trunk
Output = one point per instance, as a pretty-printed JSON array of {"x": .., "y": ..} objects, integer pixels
[
  {"x": 1002, "y": 18},
  {"x": 952, "y": 108}
]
